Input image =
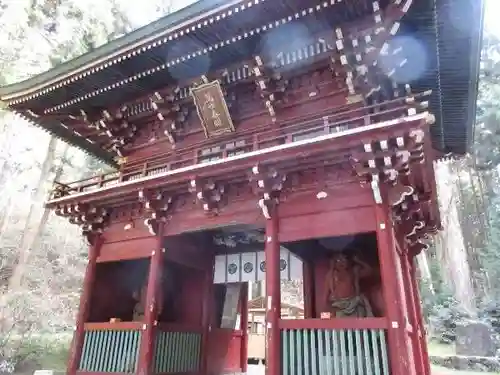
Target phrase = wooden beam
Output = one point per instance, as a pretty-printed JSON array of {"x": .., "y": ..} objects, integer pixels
[
  {"x": 335, "y": 324},
  {"x": 127, "y": 249},
  {"x": 116, "y": 326},
  {"x": 288, "y": 151}
]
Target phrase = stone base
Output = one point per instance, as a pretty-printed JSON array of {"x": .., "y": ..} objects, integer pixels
[{"x": 468, "y": 363}]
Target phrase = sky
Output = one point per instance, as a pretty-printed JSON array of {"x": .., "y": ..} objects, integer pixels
[
  {"x": 146, "y": 13},
  {"x": 491, "y": 16}
]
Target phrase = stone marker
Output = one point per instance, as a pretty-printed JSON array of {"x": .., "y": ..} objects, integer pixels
[{"x": 474, "y": 339}]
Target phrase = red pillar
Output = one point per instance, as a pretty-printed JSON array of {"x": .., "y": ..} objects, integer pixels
[
  {"x": 308, "y": 285},
  {"x": 84, "y": 309},
  {"x": 420, "y": 322},
  {"x": 207, "y": 306},
  {"x": 146, "y": 354},
  {"x": 244, "y": 326},
  {"x": 273, "y": 295},
  {"x": 392, "y": 301}
]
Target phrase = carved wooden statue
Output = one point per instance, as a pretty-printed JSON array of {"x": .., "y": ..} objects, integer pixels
[
  {"x": 140, "y": 304},
  {"x": 343, "y": 294}
]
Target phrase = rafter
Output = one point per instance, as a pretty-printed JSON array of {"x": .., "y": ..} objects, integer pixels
[{"x": 359, "y": 55}]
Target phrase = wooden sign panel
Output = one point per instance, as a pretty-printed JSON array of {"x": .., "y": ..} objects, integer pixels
[{"x": 212, "y": 109}]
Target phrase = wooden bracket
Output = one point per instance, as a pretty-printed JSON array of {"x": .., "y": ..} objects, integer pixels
[
  {"x": 59, "y": 190},
  {"x": 272, "y": 86},
  {"x": 91, "y": 219},
  {"x": 368, "y": 61},
  {"x": 268, "y": 183},
  {"x": 209, "y": 194},
  {"x": 156, "y": 207},
  {"x": 389, "y": 166},
  {"x": 119, "y": 131},
  {"x": 171, "y": 115}
]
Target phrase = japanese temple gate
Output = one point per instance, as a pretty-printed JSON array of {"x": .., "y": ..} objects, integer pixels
[{"x": 261, "y": 140}]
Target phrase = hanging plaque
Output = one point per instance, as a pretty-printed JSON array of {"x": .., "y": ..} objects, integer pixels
[{"x": 212, "y": 109}]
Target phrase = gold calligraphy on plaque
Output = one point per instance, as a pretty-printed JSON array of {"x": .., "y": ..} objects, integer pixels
[{"x": 212, "y": 109}]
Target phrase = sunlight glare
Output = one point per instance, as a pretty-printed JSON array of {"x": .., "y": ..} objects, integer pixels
[{"x": 491, "y": 16}]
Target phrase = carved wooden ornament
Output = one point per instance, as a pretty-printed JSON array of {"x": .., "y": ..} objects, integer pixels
[
  {"x": 208, "y": 193},
  {"x": 156, "y": 207},
  {"x": 269, "y": 184},
  {"x": 92, "y": 220},
  {"x": 212, "y": 109}
]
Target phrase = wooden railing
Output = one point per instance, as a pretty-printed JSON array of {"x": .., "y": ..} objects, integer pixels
[
  {"x": 178, "y": 349},
  {"x": 329, "y": 121},
  {"x": 111, "y": 347},
  {"x": 335, "y": 351}
]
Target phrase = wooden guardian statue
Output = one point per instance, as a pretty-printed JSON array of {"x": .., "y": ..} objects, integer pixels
[{"x": 344, "y": 296}]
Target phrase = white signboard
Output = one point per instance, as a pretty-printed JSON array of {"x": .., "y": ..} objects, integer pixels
[
  {"x": 251, "y": 266},
  {"x": 43, "y": 372}
]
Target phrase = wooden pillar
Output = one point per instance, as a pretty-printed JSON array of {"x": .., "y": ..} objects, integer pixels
[
  {"x": 146, "y": 354},
  {"x": 84, "y": 309},
  {"x": 244, "y": 326},
  {"x": 309, "y": 290},
  {"x": 387, "y": 254},
  {"x": 207, "y": 307},
  {"x": 273, "y": 295},
  {"x": 420, "y": 321}
]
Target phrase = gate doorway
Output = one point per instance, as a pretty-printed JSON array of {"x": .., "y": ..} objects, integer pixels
[
  {"x": 226, "y": 340},
  {"x": 240, "y": 262},
  {"x": 233, "y": 257}
]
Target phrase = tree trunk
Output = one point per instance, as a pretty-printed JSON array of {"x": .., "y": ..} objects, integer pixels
[
  {"x": 425, "y": 270},
  {"x": 4, "y": 151},
  {"x": 34, "y": 222},
  {"x": 5, "y": 215},
  {"x": 450, "y": 245},
  {"x": 46, "y": 211}
]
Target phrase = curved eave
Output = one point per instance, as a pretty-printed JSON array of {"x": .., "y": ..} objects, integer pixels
[
  {"x": 121, "y": 45},
  {"x": 459, "y": 78},
  {"x": 454, "y": 72},
  {"x": 475, "y": 72},
  {"x": 56, "y": 129}
]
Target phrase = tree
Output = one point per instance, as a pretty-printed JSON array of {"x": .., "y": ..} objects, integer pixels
[
  {"x": 41, "y": 260},
  {"x": 56, "y": 31}
]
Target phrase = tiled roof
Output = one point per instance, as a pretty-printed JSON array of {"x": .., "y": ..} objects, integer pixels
[{"x": 218, "y": 33}]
